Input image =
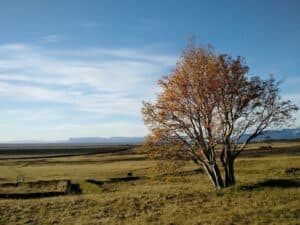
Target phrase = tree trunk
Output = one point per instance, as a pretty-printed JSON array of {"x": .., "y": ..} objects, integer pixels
[
  {"x": 214, "y": 174},
  {"x": 229, "y": 172}
]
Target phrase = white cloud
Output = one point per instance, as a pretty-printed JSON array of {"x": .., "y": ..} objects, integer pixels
[
  {"x": 114, "y": 83},
  {"x": 27, "y": 115},
  {"x": 104, "y": 82},
  {"x": 59, "y": 131},
  {"x": 12, "y": 47},
  {"x": 103, "y": 129},
  {"x": 95, "y": 83}
]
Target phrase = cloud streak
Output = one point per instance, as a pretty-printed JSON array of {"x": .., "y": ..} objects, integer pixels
[
  {"x": 50, "y": 93},
  {"x": 99, "y": 81},
  {"x": 52, "y": 38}
]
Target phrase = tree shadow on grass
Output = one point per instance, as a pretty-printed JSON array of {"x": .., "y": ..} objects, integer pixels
[{"x": 275, "y": 183}]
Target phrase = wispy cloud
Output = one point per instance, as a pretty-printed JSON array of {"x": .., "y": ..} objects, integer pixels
[
  {"x": 52, "y": 38},
  {"x": 100, "y": 81},
  {"x": 88, "y": 24}
]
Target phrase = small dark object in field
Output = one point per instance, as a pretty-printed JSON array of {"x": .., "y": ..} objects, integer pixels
[
  {"x": 129, "y": 174},
  {"x": 292, "y": 171},
  {"x": 276, "y": 183}
]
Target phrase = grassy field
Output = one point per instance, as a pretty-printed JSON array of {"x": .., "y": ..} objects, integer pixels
[
  {"x": 28, "y": 151},
  {"x": 267, "y": 190}
]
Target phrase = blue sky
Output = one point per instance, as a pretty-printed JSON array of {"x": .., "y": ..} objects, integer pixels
[{"x": 82, "y": 68}]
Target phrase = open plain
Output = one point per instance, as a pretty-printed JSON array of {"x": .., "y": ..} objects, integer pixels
[{"x": 124, "y": 187}]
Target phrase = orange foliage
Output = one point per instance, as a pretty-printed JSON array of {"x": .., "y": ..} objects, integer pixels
[{"x": 210, "y": 100}]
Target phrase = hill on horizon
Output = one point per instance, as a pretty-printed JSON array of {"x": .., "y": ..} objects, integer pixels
[{"x": 283, "y": 134}]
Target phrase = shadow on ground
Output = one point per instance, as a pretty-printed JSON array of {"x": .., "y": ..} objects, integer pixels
[
  {"x": 129, "y": 177},
  {"x": 75, "y": 189},
  {"x": 38, "y": 189},
  {"x": 275, "y": 183},
  {"x": 113, "y": 180}
]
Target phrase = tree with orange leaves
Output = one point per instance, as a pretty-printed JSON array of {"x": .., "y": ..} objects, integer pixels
[{"x": 209, "y": 100}]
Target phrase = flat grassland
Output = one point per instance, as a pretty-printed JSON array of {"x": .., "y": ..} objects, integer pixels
[{"x": 267, "y": 190}]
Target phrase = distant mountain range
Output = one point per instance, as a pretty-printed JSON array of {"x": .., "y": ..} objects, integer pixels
[{"x": 283, "y": 134}]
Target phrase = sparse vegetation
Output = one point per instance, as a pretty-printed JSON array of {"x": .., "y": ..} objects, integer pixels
[{"x": 267, "y": 191}]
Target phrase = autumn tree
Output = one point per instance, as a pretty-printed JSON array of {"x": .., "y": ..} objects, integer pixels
[{"x": 209, "y": 109}]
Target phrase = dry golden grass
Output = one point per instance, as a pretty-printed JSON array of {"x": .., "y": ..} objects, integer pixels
[
  {"x": 34, "y": 187},
  {"x": 174, "y": 199}
]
